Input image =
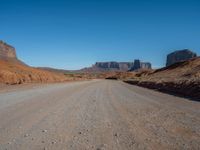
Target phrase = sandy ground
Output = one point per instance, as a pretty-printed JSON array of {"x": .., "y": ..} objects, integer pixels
[{"x": 96, "y": 115}]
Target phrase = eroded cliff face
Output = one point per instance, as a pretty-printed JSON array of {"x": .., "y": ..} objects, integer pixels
[
  {"x": 7, "y": 51},
  {"x": 180, "y": 55}
]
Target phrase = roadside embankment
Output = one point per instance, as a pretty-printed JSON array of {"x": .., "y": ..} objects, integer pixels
[
  {"x": 182, "y": 78},
  {"x": 182, "y": 88}
]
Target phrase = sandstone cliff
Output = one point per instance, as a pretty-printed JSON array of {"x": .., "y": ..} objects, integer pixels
[
  {"x": 180, "y": 55},
  {"x": 7, "y": 51}
]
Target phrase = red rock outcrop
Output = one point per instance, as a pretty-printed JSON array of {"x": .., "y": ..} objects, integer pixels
[{"x": 7, "y": 51}]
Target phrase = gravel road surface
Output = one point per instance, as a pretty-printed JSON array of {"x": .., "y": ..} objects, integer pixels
[{"x": 97, "y": 115}]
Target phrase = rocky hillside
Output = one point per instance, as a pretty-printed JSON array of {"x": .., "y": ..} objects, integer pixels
[
  {"x": 185, "y": 70},
  {"x": 13, "y": 71},
  {"x": 16, "y": 73},
  {"x": 54, "y": 70},
  {"x": 182, "y": 78}
]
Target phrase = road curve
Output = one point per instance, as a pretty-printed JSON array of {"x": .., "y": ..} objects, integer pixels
[{"x": 97, "y": 115}]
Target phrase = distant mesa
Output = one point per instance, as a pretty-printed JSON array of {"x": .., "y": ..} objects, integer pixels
[
  {"x": 114, "y": 66},
  {"x": 180, "y": 55},
  {"x": 123, "y": 66},
  {"x": 108, "y": 66},
  {"x": 117, "y": 66}
]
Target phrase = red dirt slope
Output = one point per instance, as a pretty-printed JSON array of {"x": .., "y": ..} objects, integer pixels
[
  {"x": 182, "y": 78},
  {"x": 13, "y": 72}
]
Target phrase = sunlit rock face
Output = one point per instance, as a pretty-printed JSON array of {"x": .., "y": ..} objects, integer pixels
[{"x": 7, "y": 51}]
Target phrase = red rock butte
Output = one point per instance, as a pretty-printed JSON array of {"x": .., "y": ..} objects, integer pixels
[{"x": 7, "y": 51}]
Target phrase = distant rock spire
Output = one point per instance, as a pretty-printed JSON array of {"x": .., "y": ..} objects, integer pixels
[{"x": 140, "y": 65}]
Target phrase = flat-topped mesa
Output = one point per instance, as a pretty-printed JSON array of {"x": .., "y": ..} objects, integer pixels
[
  {"x": 7, "y": 51},
  {"x": 107, "y": 65},
  {"x": 179, "y": 55},
  {"x": 112, "y": 65}
]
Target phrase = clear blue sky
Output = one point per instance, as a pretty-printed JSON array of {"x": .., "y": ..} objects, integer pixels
[{"x": 76, "y": 33}]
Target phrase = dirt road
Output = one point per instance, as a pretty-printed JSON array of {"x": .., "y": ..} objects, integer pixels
[{"x": 96, "y": 115}]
